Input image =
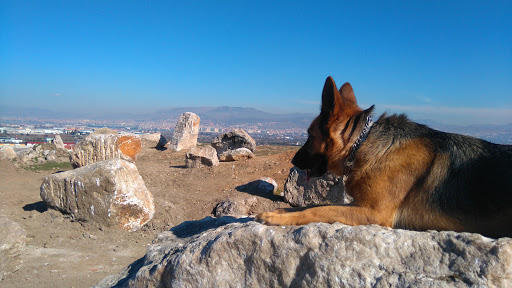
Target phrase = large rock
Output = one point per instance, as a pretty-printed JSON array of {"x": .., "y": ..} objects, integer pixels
[
  {"x": 300, "y": 192},
  {"x": 185, "y": 133},
  {"x": 109, "y": 192},
  {"x": 236, "y": 155},
  {"x": 99, "y": 147},
  {"x": 201, "y": 157},
  {"x": 229, "y": 252},
  {"x": 12, "y": 246},
  {"x": 233, "y": 140}
]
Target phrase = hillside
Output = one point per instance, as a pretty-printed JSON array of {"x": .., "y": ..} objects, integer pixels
[{"x": 63, "y": 253}]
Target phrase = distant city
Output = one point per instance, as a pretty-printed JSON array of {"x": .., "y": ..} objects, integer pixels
[{"x": 265, "y": 128}]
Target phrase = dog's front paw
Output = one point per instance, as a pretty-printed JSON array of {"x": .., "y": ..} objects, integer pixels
[{"x": 272, "y": 218}]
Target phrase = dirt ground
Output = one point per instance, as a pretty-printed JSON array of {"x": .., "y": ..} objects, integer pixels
[{"x": 64, "y": 253}]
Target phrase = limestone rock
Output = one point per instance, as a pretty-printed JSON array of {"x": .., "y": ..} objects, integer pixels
[
  {"x": 233, "y": 140},
  {"x": 99, "y": 147},
  {"x": 57, "y": 140},
  {"x": 230, "y": 252},
  {"x": 12, "y": 245},
  {"x": 327, "y": 189},
  {"x": 109, "y": 192},
  {"x": 236, "y": 207},
  {"x": 185, "y": 133},
  {"x": 6, "y": 152},
  {"x": 236, "y": 155},
  {"x": 153, "y": 140},
  {"x": 200, "y": 157}
]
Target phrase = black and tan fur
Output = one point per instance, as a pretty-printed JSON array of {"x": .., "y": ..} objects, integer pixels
[{"x": 405, "y": 175}]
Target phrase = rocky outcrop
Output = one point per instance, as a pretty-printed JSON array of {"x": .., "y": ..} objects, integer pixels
[
  {"x": 233, "y": 140},
  {"x": 99, "y": 147},
  {"x": 153, "y": 140},
  {"x": 185, "y": 133},
  {"x": 236, "y": 155},
  {"x": 111, "y": 193},
  {"x": 12, "y": 245},
  {"x": 229, "y": 252},
  {"x": 201, "y": 157},
  {"x": 300, "y": 192},
  {"x": 42, "y": 153},
  {"x": 6, "y": 152}
]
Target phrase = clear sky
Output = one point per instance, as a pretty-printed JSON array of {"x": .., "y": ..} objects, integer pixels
[{"x": 449, "y": 61}]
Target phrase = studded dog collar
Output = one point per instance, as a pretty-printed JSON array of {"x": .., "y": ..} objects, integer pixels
[{"x": 349, "y": 163}]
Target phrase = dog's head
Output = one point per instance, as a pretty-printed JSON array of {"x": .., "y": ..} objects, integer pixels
[{"x": 332, "y": 133}]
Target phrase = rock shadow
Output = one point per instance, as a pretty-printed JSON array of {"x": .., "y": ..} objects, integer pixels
[
  {"x": 38, "y": 206},
  {"x": 255, "y": 188},
  {"x": 179, "y": 166},
  {"x": 191, "y": 228}
]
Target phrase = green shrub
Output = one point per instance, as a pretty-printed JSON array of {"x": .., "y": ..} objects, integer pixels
[{"x": 50, "y": 165}]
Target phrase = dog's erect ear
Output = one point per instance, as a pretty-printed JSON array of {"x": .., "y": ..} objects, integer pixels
[
  {"x": 347, "y": 95},
  {"x": 334, "y": 100},
  {"x": 330, "y": 97}
]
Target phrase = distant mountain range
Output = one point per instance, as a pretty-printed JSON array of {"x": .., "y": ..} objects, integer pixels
[
  {"x": 227, "y": 116},
  {"x": 217, "y": 116}
]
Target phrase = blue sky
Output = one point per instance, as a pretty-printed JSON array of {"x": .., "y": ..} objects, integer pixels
[{"x": 449, "y": 61}]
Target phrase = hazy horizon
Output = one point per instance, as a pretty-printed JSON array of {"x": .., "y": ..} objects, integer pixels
[{"x": 426, "y": 117}]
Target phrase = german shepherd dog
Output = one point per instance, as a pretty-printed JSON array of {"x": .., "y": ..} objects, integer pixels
[{"x": 402, "y": 174}]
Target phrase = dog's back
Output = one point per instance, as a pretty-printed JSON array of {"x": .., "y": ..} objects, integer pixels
[{"x": 467, "y": 179}]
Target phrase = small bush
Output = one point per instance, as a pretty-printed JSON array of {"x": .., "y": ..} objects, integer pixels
[{"x": 50, "y": 165}]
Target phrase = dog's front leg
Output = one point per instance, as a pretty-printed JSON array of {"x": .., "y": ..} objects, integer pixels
[{"x": 347, "y": 214}]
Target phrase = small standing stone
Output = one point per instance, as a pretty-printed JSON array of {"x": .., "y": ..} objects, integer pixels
[
  {"x": 185, "y": 133},
  {"x": 57, "y": 140}
]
